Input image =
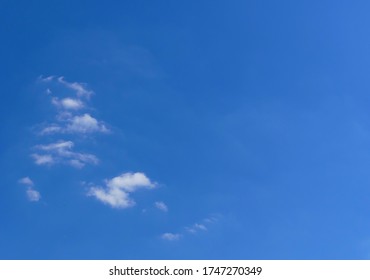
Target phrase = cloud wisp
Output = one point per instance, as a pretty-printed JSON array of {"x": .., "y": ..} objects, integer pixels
[
  {"x": 26, "y": 181},
  {"x": 80, "y": 89},
  {"x": 61, "y": 152},
  {"x": 32, "y": 194},
  {"x": 193, "y": 229},
  {"x": 75, "y": 124},
  {"x": 68, "y": 103},
  {"x": 117, "y": 190},
  {"x": 196, "y": 228},
  {"x": 171, "y": 236},
  {"x": 161, "y": 206}
]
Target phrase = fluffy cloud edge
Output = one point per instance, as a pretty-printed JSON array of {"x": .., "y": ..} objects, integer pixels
[
  {"x": 171, "y": 236},
  {"x": 33, "y": 195},
  {"x": 117, "y": 190},
  {"x": 26, "y": 181}
]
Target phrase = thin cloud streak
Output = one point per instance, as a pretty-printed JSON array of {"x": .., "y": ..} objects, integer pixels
[
  {"x": 193, "y": 229},
  {"x": 161, "y": 206},
  {"x": 171, "y": 236},
  {"x": 61, "y": 152}
]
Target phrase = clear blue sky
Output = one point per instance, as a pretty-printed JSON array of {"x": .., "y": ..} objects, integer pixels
[{"x": 185, "y": 130}]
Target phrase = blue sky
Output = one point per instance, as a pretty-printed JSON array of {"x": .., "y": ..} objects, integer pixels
[{"x": 185, "y": 130}]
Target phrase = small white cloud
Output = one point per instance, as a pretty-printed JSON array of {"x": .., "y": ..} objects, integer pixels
[
  {"x": 46, "y": 79},
  {"x": 171, "y": 236},
  {"x": 114, "y": 197},
  {"x": 161, "y": 206},
  {"x": 79, "y": 88},
  {"x": 85, "y": 124},
  {"x": 59, "y": 147},
  {"x": 68, "y": 103},
  {"x": 200, "y": 226},
  {"x": 33, "y": 195},
  {"x": 130, "y": 182},
  {"x": 196, "y": 228},
  {"x": 43, "y": 159},
  {"x": 76, "y": 163},
  {"x": 118, "y": 189},
  {"x": 26, "y": 181},
  {"x": 211, "y": 220}
]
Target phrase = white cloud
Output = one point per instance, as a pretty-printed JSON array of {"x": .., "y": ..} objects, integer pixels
[
  {"x": 79, "y": 88},
  {"x": 76, "y": 163},
  {"x": 62, "y": 152},
  {"x": 130, "y": 182},
  {"x": 67, "y": 103},
  {"x": 200, "y": 226},
  {"x": 46, "y": 79},
  {"x": 66, "y": 120},
  {"x": 114, "y": 197},
  {"x": 118, "y": 189},
  {"x": 210, "y": 220},
  {"x": 26, "y": 181},
  {"x": 68, "y": 123},
  {"x": 33, "y": 195},
  {"x": 161, "y": 206},
  {"x": 58, "y": 146},
  {"x": 171, "y": 236},
  {"x": 196, "y": 228},
  {"x": 85, "y": 124},
  {"x": 51, "y": 129},
  {"x": 43, "y": 159}
]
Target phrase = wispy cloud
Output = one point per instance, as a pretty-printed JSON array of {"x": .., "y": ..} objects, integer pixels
[
  {"x": 161, "y": 206},
  {"x": 193, "y": 229},
  {"x": 196, "y": 227},
  {"x": 61, "y": 152},
  {"x": 80, "y": 89},
  {"x": 117, "y": 191},
  {"x": 46, "y": 79},
  {"x": 67, "y": 103},
  {"x": 43, "y": 159},
  {"x": 211, "y": 220},
  {"x": 171, "y": 236},
  {"x": 32, "y": 194},
  {"x": 26, "y": 181}
]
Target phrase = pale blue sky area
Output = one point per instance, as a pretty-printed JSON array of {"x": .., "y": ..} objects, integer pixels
[{"x": 185, "y": 129}]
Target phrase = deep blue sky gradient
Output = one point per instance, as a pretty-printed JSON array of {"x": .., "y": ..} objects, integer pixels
[{"x": 254, "y": 112}]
